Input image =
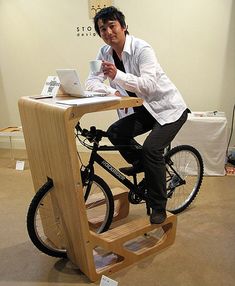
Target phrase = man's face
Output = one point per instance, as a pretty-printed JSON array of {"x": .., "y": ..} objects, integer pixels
[{"x": 112, "y": 32}]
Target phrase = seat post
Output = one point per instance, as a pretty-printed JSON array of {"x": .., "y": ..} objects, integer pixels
[{"x": 135, "y": 179}]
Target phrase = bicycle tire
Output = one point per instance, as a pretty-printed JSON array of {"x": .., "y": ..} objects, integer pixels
[
  {"x": 94, "y": 207},
  {"x": 41, "y": 202},
  {"x": 186, "y": 161}
]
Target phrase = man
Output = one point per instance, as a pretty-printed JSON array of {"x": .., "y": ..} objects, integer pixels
[{"x": 131, "y": 66}]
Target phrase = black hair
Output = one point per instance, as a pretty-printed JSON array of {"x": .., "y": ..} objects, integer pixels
[{"x": 109, "y": 13}]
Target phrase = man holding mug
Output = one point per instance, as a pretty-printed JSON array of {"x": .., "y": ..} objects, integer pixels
[{"x": 131, "y": 66}]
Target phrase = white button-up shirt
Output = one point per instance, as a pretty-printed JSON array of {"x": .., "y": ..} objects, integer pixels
[{"x": 145, "y": 77}]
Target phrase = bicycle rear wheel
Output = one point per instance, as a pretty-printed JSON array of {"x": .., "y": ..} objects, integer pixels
[
  {"x": 184, "y": 167},
  {"x": 44, "y": 223}
]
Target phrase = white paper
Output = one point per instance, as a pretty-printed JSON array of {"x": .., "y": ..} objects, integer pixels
[
  {"x": 90, "y": 100},
  {"x": 106, "y": 281},
  {"x": 20, "y": 165},
  {"x": 51, "y": 86}
]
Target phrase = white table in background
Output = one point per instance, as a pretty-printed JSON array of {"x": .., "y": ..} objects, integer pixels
[
  {"x": 11, "y": 132},
  {"x": 209, "y": 136}
]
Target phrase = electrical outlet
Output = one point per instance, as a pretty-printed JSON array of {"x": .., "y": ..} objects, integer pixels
[{"x": 96, "y": 5}]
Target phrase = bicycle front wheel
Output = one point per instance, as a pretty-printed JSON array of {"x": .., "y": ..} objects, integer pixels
[
  {"x": 99, "y": 204},
  {"x": 184, "y": 167},
  {"x": 44, "y": 223}
]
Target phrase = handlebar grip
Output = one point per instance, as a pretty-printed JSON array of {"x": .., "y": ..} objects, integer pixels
[
  {"x": 78, "y": 127},
  {"x": 92, "y": 133},
  {"x": 84, "y": 132}
]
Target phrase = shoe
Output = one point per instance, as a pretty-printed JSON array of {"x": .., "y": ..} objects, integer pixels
[{"x": 157, "y": 216}]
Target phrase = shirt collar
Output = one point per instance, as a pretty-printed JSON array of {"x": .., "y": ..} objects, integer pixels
[{"x": 127, "y": 46}]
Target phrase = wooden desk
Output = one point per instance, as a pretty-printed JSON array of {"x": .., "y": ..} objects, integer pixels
[{"x": 49, "y": 136}]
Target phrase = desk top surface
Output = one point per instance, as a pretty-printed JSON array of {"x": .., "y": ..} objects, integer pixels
[{"x": 83, "y": 105}]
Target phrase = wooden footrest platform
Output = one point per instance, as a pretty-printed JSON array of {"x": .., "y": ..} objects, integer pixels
[
  {"x": 121, "y": 203},
  {"x": 131, "y": 242}
]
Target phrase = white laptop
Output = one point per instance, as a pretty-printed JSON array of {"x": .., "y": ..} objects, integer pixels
[{"x": 71, "y": 84}]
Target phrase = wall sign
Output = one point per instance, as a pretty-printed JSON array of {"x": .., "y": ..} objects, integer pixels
[
  {"x": 96, "y": 5},
  {"x": 86, "y": 31}
]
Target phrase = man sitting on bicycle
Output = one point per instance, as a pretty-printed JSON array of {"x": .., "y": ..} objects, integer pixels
[{"x": 131, "y": 66}]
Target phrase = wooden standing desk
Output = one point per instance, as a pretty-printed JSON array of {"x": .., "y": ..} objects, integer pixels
[{"x": 49, "y": 136}]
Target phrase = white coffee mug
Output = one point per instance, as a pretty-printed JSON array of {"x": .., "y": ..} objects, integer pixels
[{"x": 96, "y": 67}]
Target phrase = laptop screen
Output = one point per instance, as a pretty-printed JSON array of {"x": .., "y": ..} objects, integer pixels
[{"x": 70, "y": 82}]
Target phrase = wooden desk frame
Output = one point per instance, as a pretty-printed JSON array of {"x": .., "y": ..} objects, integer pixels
[{"x": 49, "y": 136}]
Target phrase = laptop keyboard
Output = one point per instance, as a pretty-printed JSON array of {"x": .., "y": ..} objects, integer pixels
[{"x": 94, "y": 93}]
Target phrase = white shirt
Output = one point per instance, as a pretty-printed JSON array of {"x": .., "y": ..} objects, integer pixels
[{"x": 145, "y": 77}]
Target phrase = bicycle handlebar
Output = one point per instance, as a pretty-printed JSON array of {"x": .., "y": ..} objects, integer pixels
[
  {"x": 95, "y": 135},
  {"x": 91, "y": 135}
]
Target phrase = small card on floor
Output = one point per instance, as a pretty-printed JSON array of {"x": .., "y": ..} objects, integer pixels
[
  {"x": 20, "y": 165},
  {"x": 106, "y": 281}
]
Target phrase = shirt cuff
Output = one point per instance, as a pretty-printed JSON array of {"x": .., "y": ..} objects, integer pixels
[
  {"x": 111, "y": 90},
  {"x": 120, "y": 78}
]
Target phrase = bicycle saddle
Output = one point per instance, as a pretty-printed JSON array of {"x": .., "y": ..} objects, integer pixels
[{"x": 133, "y": 170}]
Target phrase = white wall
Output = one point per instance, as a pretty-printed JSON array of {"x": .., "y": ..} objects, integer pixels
[{"x": 194, "y": 41}]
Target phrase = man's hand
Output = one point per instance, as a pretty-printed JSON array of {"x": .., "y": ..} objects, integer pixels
[
  {"x": 117, "y": 93},
  {"x": 109, "y": 69}
]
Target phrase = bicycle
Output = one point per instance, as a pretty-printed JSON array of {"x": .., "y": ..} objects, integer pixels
[{"x": 184, "y": 169}]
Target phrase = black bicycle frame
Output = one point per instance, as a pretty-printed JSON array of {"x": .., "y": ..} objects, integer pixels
[{"x": 95, "y": 157}]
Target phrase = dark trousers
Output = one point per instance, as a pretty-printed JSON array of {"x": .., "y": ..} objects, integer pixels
[{"x": 150, "y": 155}]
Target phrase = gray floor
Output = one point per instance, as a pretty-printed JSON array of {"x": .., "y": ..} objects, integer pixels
[{"x": 203, "y": 253}]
